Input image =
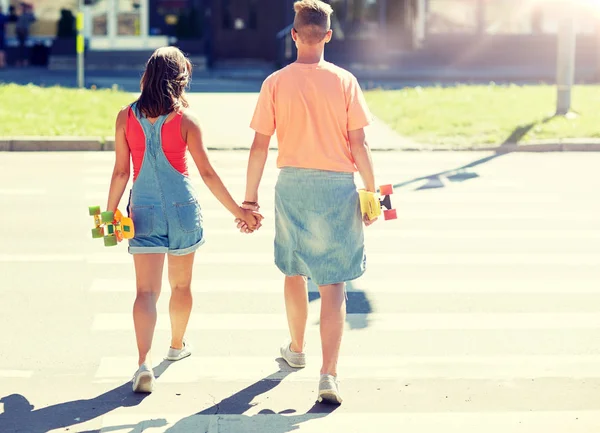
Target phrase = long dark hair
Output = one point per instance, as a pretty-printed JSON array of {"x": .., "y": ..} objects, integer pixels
[{"x": 167, "y": 74}]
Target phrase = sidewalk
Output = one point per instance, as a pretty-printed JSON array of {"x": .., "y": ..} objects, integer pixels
[{"x": 225, "y": 121}]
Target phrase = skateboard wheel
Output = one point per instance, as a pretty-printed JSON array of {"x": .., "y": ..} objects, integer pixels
[
  {"x": 390, "y": 214},
  {"x": 110, "y": 241},
  {"x": 386, "y": 189},
  {"x": 97, "y": 233},
  {"x": 94, "y": 210},
  {"x": 108, "y": 217}
]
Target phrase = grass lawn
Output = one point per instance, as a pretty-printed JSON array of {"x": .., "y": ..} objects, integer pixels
[
  {"x": 451, "y": 117},
  {"x": 485, "y": 115},
  {"x": 54, "y": 111}
]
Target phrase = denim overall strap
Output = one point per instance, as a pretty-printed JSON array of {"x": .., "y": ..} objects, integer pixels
[{"x": 152, "y": 131}]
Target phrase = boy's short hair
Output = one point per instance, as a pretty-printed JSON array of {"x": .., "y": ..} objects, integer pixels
[{"x": 312, "y": 21}]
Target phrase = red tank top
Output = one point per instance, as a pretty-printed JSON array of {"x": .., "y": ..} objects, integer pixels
[{"x": 173, "y": 144}]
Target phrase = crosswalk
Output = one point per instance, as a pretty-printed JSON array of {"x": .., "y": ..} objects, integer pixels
[{"x": 480, "y": 310}]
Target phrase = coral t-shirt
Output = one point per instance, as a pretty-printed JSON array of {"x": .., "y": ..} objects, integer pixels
[{"x": 312, "y": 107}]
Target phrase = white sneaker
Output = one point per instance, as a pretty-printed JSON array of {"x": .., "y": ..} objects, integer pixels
[
  {"x": 294, "y": 359},
  {"x": 329, "y": 390},
  {"x": 179, "y": 354},
  {"x": 143, "y": 380}
]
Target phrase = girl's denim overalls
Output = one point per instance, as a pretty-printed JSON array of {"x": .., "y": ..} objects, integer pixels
[{"x": 163, "y": 203}]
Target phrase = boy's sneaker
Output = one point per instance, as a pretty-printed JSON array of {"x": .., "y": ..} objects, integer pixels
[
  {"x": 143, "y": 380},
  {"x": 294, "y": 359},
  {"x": 179, "y": 354},
  {"x": 329, "y": 390}
]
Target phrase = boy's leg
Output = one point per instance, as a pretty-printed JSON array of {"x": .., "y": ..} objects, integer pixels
[
  {"x": 148, "y": 269},
  {"x": 333, "y": 317},
  {"x": 296, "y": 306},
  {"x": 180, "y": 305}
]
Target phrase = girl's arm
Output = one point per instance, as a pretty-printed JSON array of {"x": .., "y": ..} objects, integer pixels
[
  {"x": 121, "y": 172},
  {"x": 193, "y": 136}
]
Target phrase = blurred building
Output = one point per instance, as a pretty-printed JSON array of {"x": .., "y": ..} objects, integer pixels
[{"x": 476, "y": 33}]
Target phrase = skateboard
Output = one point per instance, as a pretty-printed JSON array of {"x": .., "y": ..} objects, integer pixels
[
  {"x": 118, "y": 227},
  {"x": 371, "y": 204}
]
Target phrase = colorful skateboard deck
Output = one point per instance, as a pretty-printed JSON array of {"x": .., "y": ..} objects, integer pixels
[
  {"x": 371, "y": 204},
  {"x": 112, "y": 226}
]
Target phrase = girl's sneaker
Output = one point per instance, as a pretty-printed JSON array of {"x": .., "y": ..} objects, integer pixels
[
  {"x": 329, "y": 390},
  {"x": 143, "y": 380},
  {"x": 294, "y": 359},
  {"x": 179, "y": 354}
]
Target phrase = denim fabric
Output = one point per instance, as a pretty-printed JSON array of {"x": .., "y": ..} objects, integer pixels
[
  {"x": 166, "y": 214},
  {"x": 318, "y": 226}
]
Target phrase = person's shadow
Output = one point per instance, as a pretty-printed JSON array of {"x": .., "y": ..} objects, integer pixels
[
  {"x": 20, "y": 416},
  {"x": 230, "y": 411},
  {"x": 358, "y": 305}
]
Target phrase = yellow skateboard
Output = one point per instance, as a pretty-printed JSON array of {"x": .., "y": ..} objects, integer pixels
[
  {"x": 118, "y": 227},
  {"x": 371, "y": 204}
]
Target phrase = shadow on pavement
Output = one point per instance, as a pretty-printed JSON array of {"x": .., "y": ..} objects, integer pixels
[
  {"x": 459, "y": 174},
  {"x": 464, "y": 173},
  {"x": 21, "y": 416},
  {"x": 228, "y": 414},
  {"x": 358, "y": 303}
]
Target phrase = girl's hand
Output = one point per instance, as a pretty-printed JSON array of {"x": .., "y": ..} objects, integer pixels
[
  {"x": 249, "y": 221},
  {"x": 242, "y": 224}
]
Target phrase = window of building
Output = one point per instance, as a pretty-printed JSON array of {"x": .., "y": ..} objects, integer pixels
[
  {"x": 47, "y": 14},
  {"x": 537, "y": 16},
  {"x": 452, "y": 16},
  {"x": 128, "y": 17},
  {"x": 357, "y": 19},
  {"x": 508, "y": 16}
]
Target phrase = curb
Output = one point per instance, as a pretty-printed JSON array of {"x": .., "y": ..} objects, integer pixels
[
  {"x": 55, "y": 144},
  {"x": 95, "y": 144},
  {"x": 565, "y": 146}
]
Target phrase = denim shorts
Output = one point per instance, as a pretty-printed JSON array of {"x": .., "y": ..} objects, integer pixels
[
  {"x": 318, "y": 226},
  {"x": 175, "y": 229}
]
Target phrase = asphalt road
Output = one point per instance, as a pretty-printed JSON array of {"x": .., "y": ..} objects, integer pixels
[{"x": 480, "y": 310}]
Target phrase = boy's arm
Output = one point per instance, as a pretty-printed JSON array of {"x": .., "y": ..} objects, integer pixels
[
  {"x": 362, "y": 157},
  {"x": 259, "y": 153}
]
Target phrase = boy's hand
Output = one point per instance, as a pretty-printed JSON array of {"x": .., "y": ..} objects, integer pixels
[
  {"x": 367, "y": 221},
  {"x": 249, "y": 221},
  {"x": 243, "y": 224}
]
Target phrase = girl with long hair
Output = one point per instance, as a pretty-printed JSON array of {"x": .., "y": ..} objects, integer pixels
[{"x": 154, "y": 133}]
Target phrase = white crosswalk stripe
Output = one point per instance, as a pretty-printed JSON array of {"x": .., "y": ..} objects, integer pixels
[
  {"x": 514, "y": 421},
  {"x": 480, "y": 309}
]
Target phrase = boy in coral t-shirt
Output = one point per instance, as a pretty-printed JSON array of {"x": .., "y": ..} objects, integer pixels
[{"x": 319, "y": 112}]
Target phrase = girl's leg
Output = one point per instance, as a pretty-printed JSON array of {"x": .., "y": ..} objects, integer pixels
[
  {"x": 296, "y": 306},
  {"x": 2, "y": 59},
  {"x": 149, "y": 271},
  {"x": 180, "y": 306},
  {"x": 333, "y": 317}
]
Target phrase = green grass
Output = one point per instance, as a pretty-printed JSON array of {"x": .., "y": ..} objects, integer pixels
[
  {"x": 485, "y": 115},
  {"x": 54, "y": 111},
  {"x": 448, "y": 117}
]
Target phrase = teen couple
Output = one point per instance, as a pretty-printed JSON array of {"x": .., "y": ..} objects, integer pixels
[{"x": 319, "y": 112}]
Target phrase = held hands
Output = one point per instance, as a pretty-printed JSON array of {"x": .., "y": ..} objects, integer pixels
[{"x": 251, "y": 219}]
